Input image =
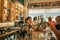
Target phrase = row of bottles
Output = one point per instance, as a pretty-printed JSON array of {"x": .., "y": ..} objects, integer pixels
[{"x": 9, "y": 11}]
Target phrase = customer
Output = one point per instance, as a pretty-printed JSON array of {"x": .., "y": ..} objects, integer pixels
[
  {"x": 48, "y": 32},
  {"x": 56, "y": 28},
  {"x": 28, "y": 21},
  {"x": 21, "y": 23},
  {"x": 50, "y": 21},
  {"x": 58, "y": 23},
  {"x": 47, "y": 28},
  {"x": 34, "y": 23},
  {"x": 28, "y": 27}
]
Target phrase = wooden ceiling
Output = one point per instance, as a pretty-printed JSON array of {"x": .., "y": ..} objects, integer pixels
[
  {"x": 20, "y": 1},
  {"x": 36, "y": 1},
  {"x": 44, "y": 4}
]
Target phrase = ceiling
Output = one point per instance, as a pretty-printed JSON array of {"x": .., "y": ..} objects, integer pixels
[
  {"x": 36, "y": 1},
  {"x": 43, "y": 4},
  {"x": 20, "y": 1}
]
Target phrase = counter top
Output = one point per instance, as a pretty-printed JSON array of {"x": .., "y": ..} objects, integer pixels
[{"x": 6, "y": 24}]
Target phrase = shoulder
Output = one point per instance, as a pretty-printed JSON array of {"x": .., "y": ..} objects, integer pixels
[{"x": 53, "y": 21}]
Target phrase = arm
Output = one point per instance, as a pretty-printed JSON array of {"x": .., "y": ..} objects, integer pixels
[{"x": 57, "y": 33}]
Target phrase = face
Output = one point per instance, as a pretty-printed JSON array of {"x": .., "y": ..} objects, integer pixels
[
  {"x": 58, "y": 20},
  {"x": 49, "y": 19},
  {"x": 29, "y": 20}
]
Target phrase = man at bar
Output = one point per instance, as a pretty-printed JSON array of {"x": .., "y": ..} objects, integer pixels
[
  {"x": 50, "y": 21},
  {"x": 58, "y": 23},
  {"x": 56, "y": 29}
]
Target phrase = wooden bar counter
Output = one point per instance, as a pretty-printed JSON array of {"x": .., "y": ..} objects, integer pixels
[{"x": 7, "y": 34}]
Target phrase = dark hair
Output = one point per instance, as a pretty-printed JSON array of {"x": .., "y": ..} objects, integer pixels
[
  {"x": 50, "y": 18},
  {"x": 35, "y": 18},
  {"x": 27, "y": 18},
  {"x": 57, "y": 17}
]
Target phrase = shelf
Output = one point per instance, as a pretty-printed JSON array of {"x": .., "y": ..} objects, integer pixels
[{"x": 8, "y": 33}]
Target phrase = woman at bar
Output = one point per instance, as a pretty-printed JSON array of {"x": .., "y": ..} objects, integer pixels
[
  {"x": 28, "y": 21},
  {"x": 28, "y": 27}
]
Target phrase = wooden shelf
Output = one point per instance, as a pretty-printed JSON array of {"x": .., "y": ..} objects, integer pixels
[{"x": 8, "y": 11}]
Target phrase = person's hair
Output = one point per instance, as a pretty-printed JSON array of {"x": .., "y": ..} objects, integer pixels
[
  {"x": 57, "y": 17},
  {"x": 27, "y": 18},
  {"x": 49, "y": 18},
  {"x": 35, "y": 18}
]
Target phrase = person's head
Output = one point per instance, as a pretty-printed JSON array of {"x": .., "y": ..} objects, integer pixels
[
  {"x": 58, "y": 19},
  {"x": 49, "y": 19},
  {"x": 46, "y": 23},
  {"x": 28, "y": 20},
  {"x": 35, "y": 18}
]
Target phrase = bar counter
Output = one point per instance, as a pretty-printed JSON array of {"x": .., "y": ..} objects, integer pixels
[{"x": 6, "y": 34}]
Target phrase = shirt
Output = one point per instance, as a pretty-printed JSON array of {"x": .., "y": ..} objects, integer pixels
[
  {"x": 58, "y": 27},
  {"x": 52, "y": 23}
]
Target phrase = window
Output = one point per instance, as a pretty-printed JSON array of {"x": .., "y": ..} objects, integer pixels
[{"x": 45, "y": 13}]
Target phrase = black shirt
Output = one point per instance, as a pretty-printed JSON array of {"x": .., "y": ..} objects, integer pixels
[
  {"x": 21, "y": 23},
  {"x": 58, "y": 27}
]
